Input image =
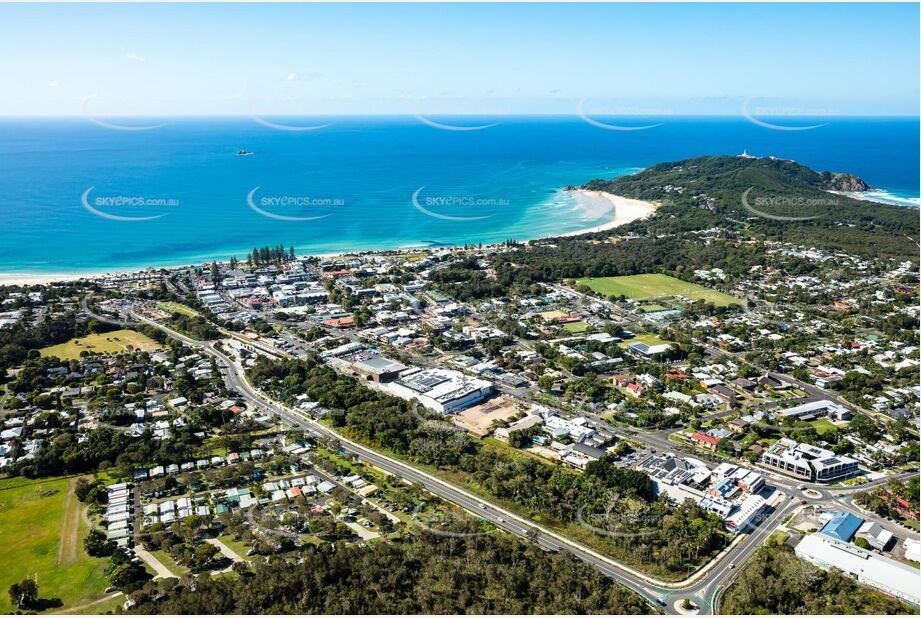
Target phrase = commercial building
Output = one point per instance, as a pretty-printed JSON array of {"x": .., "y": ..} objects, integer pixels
[
  {"x": 748, "y": 511},
  {"x": 443, "y": 390},
  {"x": 842, "y": 526},
  {"x": 807, "y": 462},
  {"x": 378, "y": 368},
  {"x": 886, "y": 575},
  {"x": 817, "y": 409}
]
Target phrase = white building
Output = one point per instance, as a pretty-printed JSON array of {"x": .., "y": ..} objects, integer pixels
[
  {"x": 884, "y": 574},
  {"x": 443, "y": 390}
]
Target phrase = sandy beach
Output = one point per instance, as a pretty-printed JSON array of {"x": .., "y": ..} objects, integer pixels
[
  {"x": 623, "y": 209},
  {"x": 27, "y": 279},
  {"x": 596, "y": 205}
]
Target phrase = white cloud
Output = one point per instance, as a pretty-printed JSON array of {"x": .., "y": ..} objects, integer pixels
[
  {"x": 134, "y": 57},
  {"x": 54, "y": 83},
  {"x": 291, "y": 77}
]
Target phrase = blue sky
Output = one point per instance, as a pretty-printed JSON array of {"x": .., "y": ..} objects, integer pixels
[{"x": 174, "y": 59}]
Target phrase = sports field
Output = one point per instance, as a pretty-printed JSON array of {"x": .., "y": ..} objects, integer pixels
[
  {"x": 42, "y": 527},
  {"x": 105, "y": 343},
  {"x": 576, "y": 327},
  {"x": 643, "y": 287}
]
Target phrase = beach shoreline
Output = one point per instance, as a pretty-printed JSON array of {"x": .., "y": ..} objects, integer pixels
[
  {"x": 596, "y": 203},
  {"x": 624, "y": 210}
]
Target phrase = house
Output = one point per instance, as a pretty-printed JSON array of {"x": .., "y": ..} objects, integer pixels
[{"x": 704, "y": 440}]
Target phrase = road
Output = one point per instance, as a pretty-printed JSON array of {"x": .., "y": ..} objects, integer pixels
[{"x": 702, "y": 587}]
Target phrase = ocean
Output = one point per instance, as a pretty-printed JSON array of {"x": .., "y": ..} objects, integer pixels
[{"x": 85, "y": 196}]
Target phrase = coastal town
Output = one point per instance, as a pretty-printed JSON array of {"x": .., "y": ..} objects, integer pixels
[{"x": 217, "y": 417}]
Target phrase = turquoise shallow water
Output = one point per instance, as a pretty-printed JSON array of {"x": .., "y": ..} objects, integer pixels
[{"x": 79, "y": 197}]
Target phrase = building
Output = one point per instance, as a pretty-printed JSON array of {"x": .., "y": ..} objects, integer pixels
[
  {"x": 842, "y": 526},
  {"x": 443, "y": 390},
  {"x": 378, "y": 368},
  {"x": 886, "y": 575},
  {"x": 644, "y": 349},
  {"x": 746, "y": 514},
  {"x": 817, "y": 409},
  {"x": 705, "y": 440},
  {"x": 877, "y": 536},
  {"x": 807, "y": 462}
]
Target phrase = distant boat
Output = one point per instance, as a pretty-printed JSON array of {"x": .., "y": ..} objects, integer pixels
[{"x": 244, "y": 153}]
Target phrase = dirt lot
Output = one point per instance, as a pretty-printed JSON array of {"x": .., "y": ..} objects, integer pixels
[{"x": 478, "y": 419}]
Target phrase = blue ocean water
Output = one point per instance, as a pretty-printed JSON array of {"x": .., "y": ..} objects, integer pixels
[{"x": 180, "y": 193}]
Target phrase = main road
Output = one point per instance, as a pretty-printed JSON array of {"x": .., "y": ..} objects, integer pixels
[{"x": 702, "y": 587}]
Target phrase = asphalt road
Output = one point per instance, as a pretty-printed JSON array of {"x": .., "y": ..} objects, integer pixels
[{"x": 702, "y": 587}]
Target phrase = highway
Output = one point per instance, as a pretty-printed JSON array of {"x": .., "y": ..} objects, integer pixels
[{"x": 703, "y": 587}]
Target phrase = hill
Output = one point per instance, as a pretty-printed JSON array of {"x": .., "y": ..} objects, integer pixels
[{"x": 774, "y": 198}]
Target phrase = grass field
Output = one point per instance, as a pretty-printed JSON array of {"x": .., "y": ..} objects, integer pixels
[
  {"x": 43, "y": 528},
  {"x": 823, "y": 426},
  {"x": 106, "y": 343},
  {"x": 576, "y": 327},
  {"x": 642, "y": 287},
  {"x": 647, "y": 338},
  {"x": 174, "y": 307}
]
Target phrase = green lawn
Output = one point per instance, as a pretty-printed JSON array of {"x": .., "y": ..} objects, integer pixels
[
  {"x": 32, "y": 523},
  {"x": 576, "y": 327},
  {"x": 112, "y": 342},
  {"x": 642, "y": 287},
  {"x": 647, "y": 338},
  {"x": 823, "y": 426},
  {"x": 173, "y": 307}
]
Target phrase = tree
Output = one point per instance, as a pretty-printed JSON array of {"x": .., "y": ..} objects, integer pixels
[
  {"x": 97, "y": 545},
  {"x": 24, "y": 594},
  {"x": 123, "y": 573},
  {"x": 82, "y": 489}
]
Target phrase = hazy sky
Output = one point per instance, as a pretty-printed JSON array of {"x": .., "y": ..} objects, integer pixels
[{"x": 450, "y": 58}]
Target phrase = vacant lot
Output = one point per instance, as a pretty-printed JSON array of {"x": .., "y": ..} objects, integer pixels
[
  {"x": 647, "y": 338},
  {"x": 478, "y": 419},
  {"x": 174, "y": 307},
  {"x": 106, "y": 343},
  {"x": 43, "y": 538},
  {"x": 643, "y": 287}
]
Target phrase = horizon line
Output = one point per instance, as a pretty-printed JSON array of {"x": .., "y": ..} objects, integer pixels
[{"x": 454, "y": 115}]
